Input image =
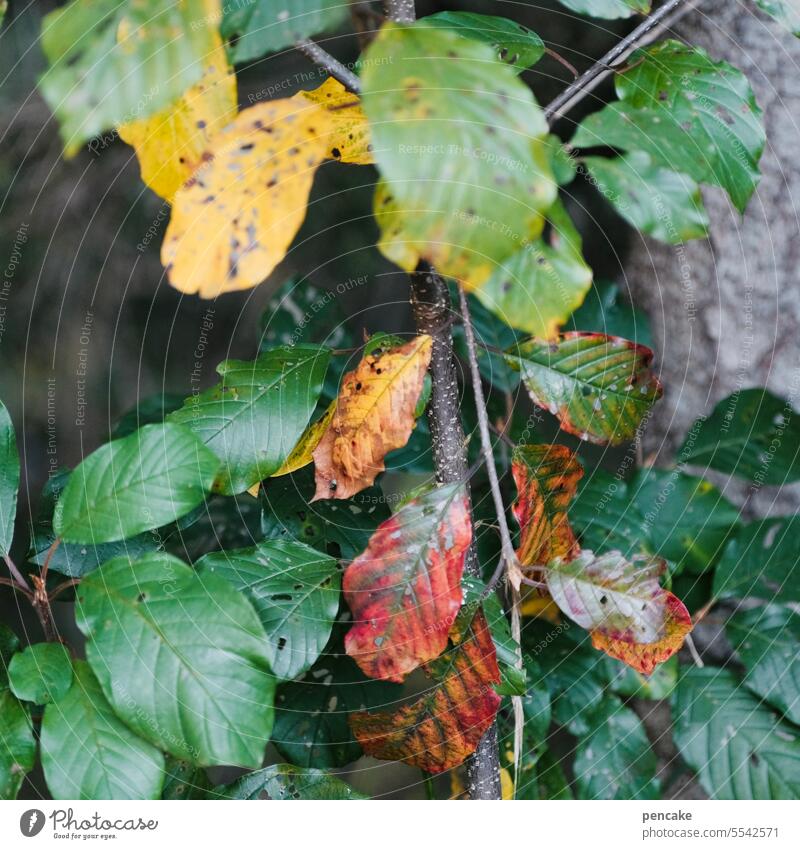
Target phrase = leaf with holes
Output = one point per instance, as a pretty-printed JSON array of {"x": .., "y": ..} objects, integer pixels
[
  {"x": 193, "y": 630},
  {"x": 513, "y": 43},
  {"x": 295, "y": 592},
  {"x": 264, "y": 26},
  {"x": 284, "y": 782},
  {"x": 599, "y": 387},
  {"x": 40, "y": 674},
  {"x": 752, "y": 434},
  {"x": 17, "y": 745},
  {"x": 785, "y": 12},
  {"x": 689, "y": 114},
  {"x": 349, "y": 139},
  {"x": 443, "y": 727},
  {"x": 9, "y": 479},
  {"x": 768, "y": 642},
  {"x": 738, "y": 746},
  {"x": 254, "y": 416},
  {"x": 233, "y": 222},
  {"x": 459, "y": 143},
  {"x": 658, "y": 201},
  {"x": 374, "y": 415},
  {"x": 140, "y": 482},
  {"x": 621, "y": 603},
  {"x": 608, "y": 8},
  {"x": 112, "y": 62},
  {"x": 404, "y": 591},
  {"x": 89, "y": 753},
  {"x": 311, "y": 714},
  {"x": 170, "y": 144},
  {"x": 547, "y": 478},
  {"x": 183, "y": 780},
  {"x": 540, "y": 285}
]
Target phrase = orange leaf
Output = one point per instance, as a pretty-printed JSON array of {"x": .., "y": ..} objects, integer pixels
[
  {"x": 405, "y": 590},
  {"x": 374, "y": 415},
  {"x": 350, "y": 139},
  {"x": 547, "y": 478},
  {"x": 169, "y": 145},
  {"x": 442, "y": 728}
]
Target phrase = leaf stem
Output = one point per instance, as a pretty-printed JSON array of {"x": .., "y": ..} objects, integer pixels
[
  {"x": 10, "y": 582},
  {"x": 334, "y": 67},
  {"x": 15, "y": 573},
  {"x": 647, "y": 31},
  {"x": 430, "y": 790}
]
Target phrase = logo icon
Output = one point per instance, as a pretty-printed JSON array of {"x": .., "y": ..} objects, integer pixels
[{"x": 31, "y": 822}]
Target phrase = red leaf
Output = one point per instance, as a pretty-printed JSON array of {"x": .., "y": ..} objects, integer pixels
[
  {"x": 405, "y": 589},
  {"x": 442, "y": 728},
  {"x": 547, "y": 478},
  {"x": 621, "y": 603}
]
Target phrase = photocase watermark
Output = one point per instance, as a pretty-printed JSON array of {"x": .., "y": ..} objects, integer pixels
[
  {"x": 10, "y": 272},
  {"x": 82, "y": 368},
  {"x": 155, "y": 227},
  {"x": 65, "y": 824},
  {"x": 206, "y": 326}
]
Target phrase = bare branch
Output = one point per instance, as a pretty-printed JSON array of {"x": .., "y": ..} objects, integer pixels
[{"x": 333, "y": 66}]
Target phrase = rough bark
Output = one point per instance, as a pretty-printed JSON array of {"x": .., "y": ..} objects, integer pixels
[
  {"x": 725, "y": 312},
  {"x": 430, "y": 300}
]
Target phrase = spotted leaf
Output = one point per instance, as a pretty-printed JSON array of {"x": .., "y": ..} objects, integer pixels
[
  {"x": 405, "y": 590},
  {"x": 442, "y": 728},
  {"x": 350, "y": 139},
  {"x": 374, "y": 415},
  {"x": 621, "y": 603},
  {"x": 599, "y": 387}
]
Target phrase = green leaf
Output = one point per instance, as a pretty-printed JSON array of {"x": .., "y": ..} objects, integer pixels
[
  {"x": 626, "y": 681},
  {"x": 264, "y": 26},
  {"x": 608, "y": 8},
  {"x": 76, "y": 559},
  {"x": 549, "y": 781},
  {"x": 293, "y": 589},
  {"x": 768, "y": 642},
  {"x": 9, "y": 480},
  {"x": 88, "y": 753},
  {"x": 42, "y": 673},
  {"x": 151, "y": 410},
  {"x": 183, "y": 780},
  {"x": 341, "y": 529},
  {"x": 284, "y": 781},
  {"x": 785, "y": 12},
  {"x": 194, "y": 631},
  {"x": 17, "y": 745},
  {"x": 537, "y": 288},
  {"x": 459, "y": 143},
  {"x": 689, "y": 113},
  {"x": 311, "y": 714},
  {"x": 739, "y": 748},
  {"x": 752, "y": 434},
  {"x": 659, "y": 202},
  {"x": 9, "y": 643},
  {"x": 684, "y": 519},
  {"x": 599, "y": 387},
  {"x": 605, "y": 310},
  {"x": 615, "y": 760},
  {"x": 562, "y": 160},
  {"x": 254, "y": 416},
  {"x": 134, "y": 484},
  {"x": 762, "y": 560},
  {"x": 113, "y": 62},
  {"x": 512, "y": 42}
]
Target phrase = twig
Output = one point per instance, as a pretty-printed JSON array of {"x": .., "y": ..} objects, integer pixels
[
  {"x": 698, "y": 661},
  {"x": 562, "y": 61},
  {"x": 9, "y": 582},
  {"x": 333, "y": 66},
  {"x": 50, "y": 552},
  {"x": 72, "y": 582},
  {"x": 648, "y": 30},
  {"x": 15, "y": 573}
]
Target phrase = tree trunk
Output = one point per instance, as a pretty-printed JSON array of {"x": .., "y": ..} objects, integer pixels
[{"x": 725, "y": 312}]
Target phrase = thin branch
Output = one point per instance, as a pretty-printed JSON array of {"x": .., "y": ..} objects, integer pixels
[
  {"x": 50, "y": 552},
  {"x": 562, "y": 61},
  {"x": 15, "y": 573},
  {"x": 662, "y": 19},
  {"x": 334, "y": 67},
  {"x": 72, "y": 582},
  {"x": 9, "y": 582}
]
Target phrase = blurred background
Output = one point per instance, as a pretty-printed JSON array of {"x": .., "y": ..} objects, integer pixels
[{"x": 89, "y": 325}]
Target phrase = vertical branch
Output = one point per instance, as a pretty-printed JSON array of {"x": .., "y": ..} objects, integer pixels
[{"x": 430, "y": 299}]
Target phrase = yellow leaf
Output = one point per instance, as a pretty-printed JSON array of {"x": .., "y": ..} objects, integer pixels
[
  {"x": 350, "y": 137},
  {"x": 233, "y": 222},
  {"x": 374, "y": 415},
  {"x": 541, "y": 607},
  {"x": 303, "y": 453},
  {"x": 506, "y": 785},
  {"x": 170, "y": 144}
]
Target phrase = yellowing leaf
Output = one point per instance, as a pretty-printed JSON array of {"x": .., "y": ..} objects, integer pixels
[
  {"x": 303, "y": 453},
  {"x": 350, "y": 137},
  {"x": 374, "y": 415},
  {"x": 233, "y": 222},
  {"x": 170, "y": 144},
  {"x": 540, "y": 607}
]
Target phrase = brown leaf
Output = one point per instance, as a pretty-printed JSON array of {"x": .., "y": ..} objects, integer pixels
[
  {"x": 442, "y": 728},
  {"x": 374, "y": 415}
]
